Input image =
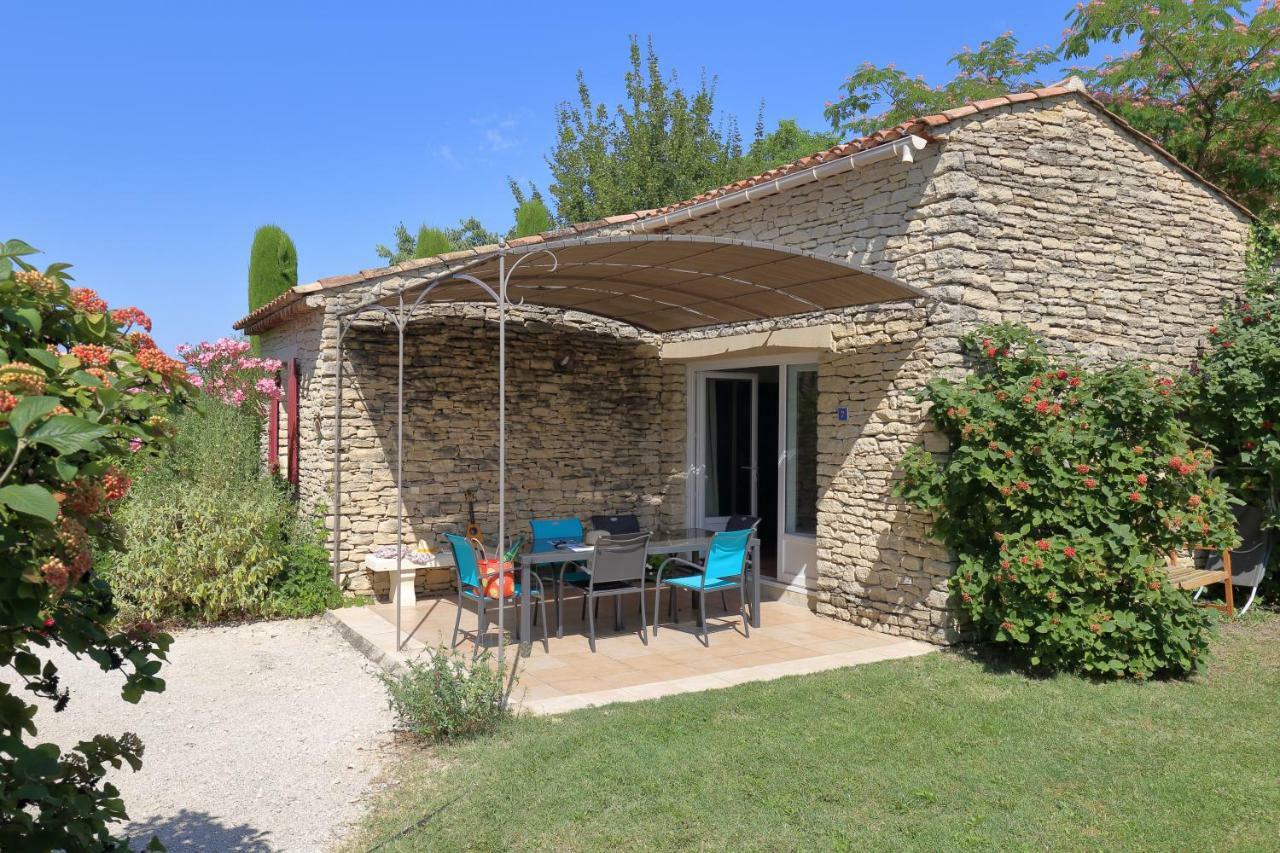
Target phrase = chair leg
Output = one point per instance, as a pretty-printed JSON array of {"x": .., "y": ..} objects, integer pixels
[
  {"x": 546, "y": 639},
  {"x": 657, "y": 606},
  {"x": 559, "y": 611},
  {"x": 457, "y": 623},
  {"x": 702, "y": 611},
  {"x": 742, "y": 611},
  {"x": 617, "y": 613},
  {"x": 724, "y": 601},
  {"x": 591, "y": 621},
  {"x": 1252, "y": 592},
  {"x": 644, "y": 621}
]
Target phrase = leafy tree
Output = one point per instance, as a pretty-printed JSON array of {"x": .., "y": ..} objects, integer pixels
[
  {"x": 661, "y": 146},
  {"x": 273, "y": 265},
  {"x": 467, "y": 234},
  {"x": 786, "y": 144},
  {"x": 431, "y": 242},
  {"x": 80, "y": 388},
  {"x": 995, "y": 68},
  {"x": 1203, "y": 82}
]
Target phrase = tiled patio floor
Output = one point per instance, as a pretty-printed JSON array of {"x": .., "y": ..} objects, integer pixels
[{"x": 791, "y": 641}]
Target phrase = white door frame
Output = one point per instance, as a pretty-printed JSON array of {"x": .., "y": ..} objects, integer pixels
[{"x": 808, "y": 580}]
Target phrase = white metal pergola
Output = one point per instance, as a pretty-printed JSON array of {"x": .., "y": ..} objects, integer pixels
[{"x": 656, "y": 282}]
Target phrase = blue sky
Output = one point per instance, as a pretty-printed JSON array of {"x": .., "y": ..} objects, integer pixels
[{"x": 145, "y": 142}]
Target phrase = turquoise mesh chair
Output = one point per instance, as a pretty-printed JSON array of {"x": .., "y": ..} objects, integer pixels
[
  {"x": 725, "y": 568},
  {"x": 469, "y": 590},
  {"x": 547, "y": 533}
]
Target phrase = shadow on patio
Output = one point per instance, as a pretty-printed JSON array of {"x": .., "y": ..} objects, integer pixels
[{"x": 791, "y": 641}]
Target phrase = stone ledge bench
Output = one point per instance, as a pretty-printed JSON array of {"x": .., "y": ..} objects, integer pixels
[{"x": 404, "y": 590}]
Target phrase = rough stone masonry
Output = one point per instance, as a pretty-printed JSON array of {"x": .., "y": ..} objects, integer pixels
[{"x": 1046, "y": 213}]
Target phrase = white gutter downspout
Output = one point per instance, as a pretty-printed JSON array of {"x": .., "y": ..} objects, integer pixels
[{"x": 900, "y": 149}]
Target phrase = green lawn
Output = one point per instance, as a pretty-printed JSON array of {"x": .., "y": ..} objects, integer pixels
[{"x": 939, "y": 752}]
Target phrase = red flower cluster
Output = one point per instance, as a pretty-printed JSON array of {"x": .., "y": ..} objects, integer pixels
[
  {"x": 1090, "y": 483},
  {"x": 84, "y": 498},
  {"x": 115, "y": 484},
  {"x": 1069, "y": 551},
  {"x": 1181, "y": 467},
  {"x": 1142, "y": 479},
  {"x": 93, "y": 355},
  {"x": 7, "y": 402},
  {"x": 129, "y": 317},
  {"x": 88, "y": 301},
  {"x": 1135, "y": 496},
  {"x": 1042, "y": 544},
  {"x": 1082, "y": 468},
  {"x": 1193, "y": 501},
  {"x": 55, "y": 573}
]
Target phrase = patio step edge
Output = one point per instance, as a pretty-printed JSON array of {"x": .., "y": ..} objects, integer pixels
[{"x": 389, "y": 661}]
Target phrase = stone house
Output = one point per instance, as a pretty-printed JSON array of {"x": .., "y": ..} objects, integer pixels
[{"x": 1040, "y": 208}]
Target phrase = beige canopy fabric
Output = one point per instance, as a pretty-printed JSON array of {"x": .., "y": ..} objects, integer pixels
[{"x": 667, "y": 283}]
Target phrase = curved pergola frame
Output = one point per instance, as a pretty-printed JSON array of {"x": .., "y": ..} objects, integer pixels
[{"x": 661, "y": 283}]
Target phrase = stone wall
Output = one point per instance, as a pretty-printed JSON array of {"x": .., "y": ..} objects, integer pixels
[
  {"x": 1046, "y": 214},
  {"x": 590, "y": 437}
]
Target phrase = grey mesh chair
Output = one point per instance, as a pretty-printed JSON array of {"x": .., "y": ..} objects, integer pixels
[
  {"x": 617, "y": 568},
  {"x": 616, "y": 525},
  {"x": 1249, "y": 561}
]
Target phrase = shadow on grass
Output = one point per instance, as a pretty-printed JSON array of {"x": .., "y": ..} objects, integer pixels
[{"x": 190, "y": 830}]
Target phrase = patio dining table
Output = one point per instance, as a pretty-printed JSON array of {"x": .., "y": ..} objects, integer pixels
[{"x": 686, "y": 540}]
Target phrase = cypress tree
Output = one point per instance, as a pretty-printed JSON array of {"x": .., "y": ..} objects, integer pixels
[
  {"x": 273, "y": 265},
  {"x": 532, "y": 217},
  {"x": 431, "y": 242}
]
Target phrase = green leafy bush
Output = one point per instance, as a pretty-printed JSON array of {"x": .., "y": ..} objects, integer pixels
[
  {"x": 1235, "y": 406},
  {"x": 444, "y": 697},
  {"x": 1064, "y": 490},
  {"x": 80, "y": 385},
  {"x": 210, "y": 538}
]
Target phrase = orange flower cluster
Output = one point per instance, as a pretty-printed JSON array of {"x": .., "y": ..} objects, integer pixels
[
  {"x": 94, "y": 355},
  {"x": 141, "y": 341},
  {"x": 88, "y": 301},
  {"x": 157, "y": 362},
  {"x": 128, "y": 317},
  {"x": 26, "y": 377}
]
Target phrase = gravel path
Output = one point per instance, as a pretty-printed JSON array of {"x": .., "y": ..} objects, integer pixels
[{"x": 269, "y": 736}]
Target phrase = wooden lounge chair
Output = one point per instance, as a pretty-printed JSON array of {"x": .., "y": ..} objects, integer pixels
[{"x": 1185, "y": 574}]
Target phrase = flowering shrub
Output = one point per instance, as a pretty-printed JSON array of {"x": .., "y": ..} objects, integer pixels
[
  {"x": 226, "y": 371},
  {"x": 76, "y": 391},
  {"x": 1064, "y": 491}
]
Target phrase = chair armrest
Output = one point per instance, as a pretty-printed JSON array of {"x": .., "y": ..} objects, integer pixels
[{"x": 679, "y": 562}]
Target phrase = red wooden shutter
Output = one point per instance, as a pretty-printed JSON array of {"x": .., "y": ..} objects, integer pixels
[
  {"x": 294, "y": 423},
  {"x": 273, "y": 433}
]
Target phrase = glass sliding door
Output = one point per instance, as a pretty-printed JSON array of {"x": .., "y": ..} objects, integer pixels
[
  {"x": 728, "y": 448},
  {"x": 799, "y": 494}
]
